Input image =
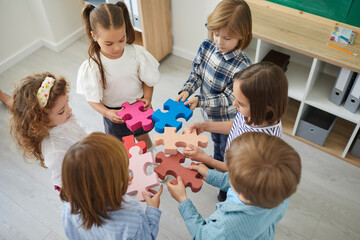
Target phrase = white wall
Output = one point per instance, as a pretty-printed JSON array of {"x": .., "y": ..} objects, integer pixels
[
  {"x": 188, "y": 25},
  {"x": 25, "y": 26}
]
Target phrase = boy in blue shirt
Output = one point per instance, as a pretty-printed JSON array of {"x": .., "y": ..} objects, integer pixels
[{"x": 264, "y": 172}]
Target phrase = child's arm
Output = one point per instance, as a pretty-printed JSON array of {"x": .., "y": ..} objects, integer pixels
[
  {"x": 108, "y": 113},
  {"x": 197, "y": 154},
  {"x": 152, "y": 211},
  {"x": 148, "y": 92},
  {"x": 213, "y": 127},
  {"x": 199, "y": 228},
  {"x": 212, "y": 177}
]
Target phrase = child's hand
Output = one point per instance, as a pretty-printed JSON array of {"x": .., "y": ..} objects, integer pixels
[
  {"x": 183, "y": 96},
  {"x": 195, "y": 153},
  {"x": 130, "y": 179},
  {"x": 177, "y": 191},
  {"x": 196, "y": 126},
  {"x": 192, "y": 102},
  {"x": 201, "y": 168},
  {"x": 147, "y": 103},
  {"x": 153, "y": 201},
  {"x": 111, "y": 115}
]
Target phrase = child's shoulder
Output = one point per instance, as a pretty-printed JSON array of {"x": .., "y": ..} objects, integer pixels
[
  {"x": 208, "y": 43},
  {"x": 89, "y": 66}
]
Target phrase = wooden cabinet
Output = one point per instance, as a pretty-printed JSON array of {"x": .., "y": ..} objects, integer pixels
[
  {"x": 155, "y": 20},
  {"x": 156, "y": 27},
  {"x": 312, "y": 70}
]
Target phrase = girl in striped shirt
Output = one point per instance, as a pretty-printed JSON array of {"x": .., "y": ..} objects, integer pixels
[{"x": 261, "y": 95}]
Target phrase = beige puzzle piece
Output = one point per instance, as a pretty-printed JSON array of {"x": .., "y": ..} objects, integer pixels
[{"x": 172, "y": 141}]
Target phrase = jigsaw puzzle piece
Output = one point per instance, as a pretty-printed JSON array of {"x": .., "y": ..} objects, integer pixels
[
  {"x": 141, "y": 181},
  {"x": 135, "y": 117},
  {"x": 169, "y": 119},
  {"x": 172, "y": 141},
  {"x": 129, "y": 142},
  {"x": 171, "y": 166}
]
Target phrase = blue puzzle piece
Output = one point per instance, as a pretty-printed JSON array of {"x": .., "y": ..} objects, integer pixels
[{"x": 169, "y": 119}]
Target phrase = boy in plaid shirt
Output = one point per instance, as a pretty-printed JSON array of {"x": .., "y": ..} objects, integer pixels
[{"x": 216, "y": 62}]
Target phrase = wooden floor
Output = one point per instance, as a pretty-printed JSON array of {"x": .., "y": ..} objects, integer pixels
[{"x": 326, "y": 205}]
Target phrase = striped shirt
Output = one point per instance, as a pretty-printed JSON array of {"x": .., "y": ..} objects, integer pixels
[
  {"x": 231, "y": 220},
  {"x": 213, "y": 71},
  {"x": 130, "y": 222},
  {"x": 239, "y": 127}
]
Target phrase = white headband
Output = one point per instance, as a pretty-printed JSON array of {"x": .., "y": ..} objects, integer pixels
[{"x": 44, "y": 90}]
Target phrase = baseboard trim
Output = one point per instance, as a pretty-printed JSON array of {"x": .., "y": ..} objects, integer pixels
[
  {"x": 57, "y": 47},
  {"x": 188, "y": 55},
  {"x": 20, "y": 55}
]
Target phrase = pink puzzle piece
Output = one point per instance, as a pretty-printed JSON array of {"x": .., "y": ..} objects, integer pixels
[
  {"x": 171, "y": 166},
  {"x": 141, "y": 181},
  {"x": 129, "y": 142},
  {"x": 135, "y": 117},
  {"x": 172, "y": 141}
]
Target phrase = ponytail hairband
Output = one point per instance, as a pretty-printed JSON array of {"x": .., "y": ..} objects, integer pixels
[{"x": 44, "y": 91}]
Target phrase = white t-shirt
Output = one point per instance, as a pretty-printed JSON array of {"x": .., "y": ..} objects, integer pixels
[
  {"x": 54, "y": 147},
  {"x": 124, "y": 77}
]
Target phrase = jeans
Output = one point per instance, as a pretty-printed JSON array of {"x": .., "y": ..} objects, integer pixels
[{"x": 219, "y": 145}]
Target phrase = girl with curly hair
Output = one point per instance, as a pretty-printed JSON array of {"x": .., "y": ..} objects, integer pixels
[{"x": 42, "y": 121}]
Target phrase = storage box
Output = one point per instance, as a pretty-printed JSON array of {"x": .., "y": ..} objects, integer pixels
[
  {"x": 315, "y": 125},
  {"x": 278, "y": 58},
  {"x": 355, "y": 150}
]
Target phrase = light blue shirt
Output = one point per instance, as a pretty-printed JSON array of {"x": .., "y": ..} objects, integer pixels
[
  {"x": 232, "y": 196},
  {"x": 231, "y": 220},
  {"x": 130, "y": 222}
]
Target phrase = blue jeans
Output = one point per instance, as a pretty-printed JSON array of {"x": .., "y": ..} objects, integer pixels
[{"x": 219, "y": 145}]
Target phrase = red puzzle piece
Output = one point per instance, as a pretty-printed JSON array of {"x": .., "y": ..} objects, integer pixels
[
  {"x": 129, "y": 142},
  {"x": 171, "y": 166},
  {"x": 135, "y": 117}
]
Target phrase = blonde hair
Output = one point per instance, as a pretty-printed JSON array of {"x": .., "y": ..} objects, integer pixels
[
  {"x": 265, "y": 85},
  {"x": 234, "y": 15},
  {"x": 95, "y": 175},
  {"x": 29, "y": 123},
  {"x": 107, "y": 16},
  {"x": 264, "y": 168}
]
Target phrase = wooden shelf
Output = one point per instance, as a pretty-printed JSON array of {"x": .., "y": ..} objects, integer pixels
[
  {"x": 138, "y": 38},
  {"x": 297, "y": 76},
  {"x": 288, "y": 120},
  {"x": 301, "y": 32},
  {"x": 319, "y": 98},
  {"x": 336, "y": 141},
  {"x": 304, "y": 36}
]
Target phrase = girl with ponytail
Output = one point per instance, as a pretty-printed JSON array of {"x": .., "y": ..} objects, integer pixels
[{"x": 117, "y": 70}]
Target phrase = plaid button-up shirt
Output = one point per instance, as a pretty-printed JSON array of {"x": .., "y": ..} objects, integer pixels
[{"x": 213, "y": 71}]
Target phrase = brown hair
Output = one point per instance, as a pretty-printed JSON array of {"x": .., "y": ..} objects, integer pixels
[
  {"x": 107, "y": 16},
  {"x": 29, "y": 123},
  {"x": 264, "y": 84},
  {"x": 234, "y": 15},
  {"x": 264, "y": 168},
  {"x": 95, "y": 174}
]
